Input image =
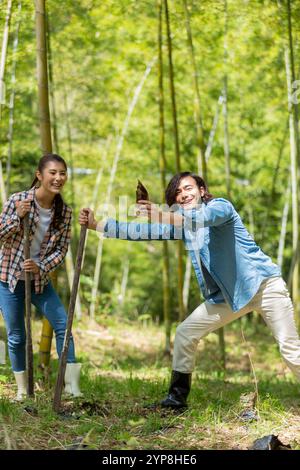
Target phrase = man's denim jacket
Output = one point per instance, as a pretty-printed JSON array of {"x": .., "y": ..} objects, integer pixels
[{"x": 229, "y": 265}]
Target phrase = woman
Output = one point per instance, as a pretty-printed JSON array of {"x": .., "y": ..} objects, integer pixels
[
  {"x": 234, "y": 274},
  {"x": 50, "y": 230}
]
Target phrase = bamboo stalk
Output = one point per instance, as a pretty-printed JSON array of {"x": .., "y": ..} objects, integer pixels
[
  {"x": 51, "y": 85},
  {"x": 12, "y": 101},
  {"x": 202, "y": 169},
  {"x": 295, "y": 162},
  {"x": 182, "y": 312},
  {"x": 45, "y": 136},
  {"x": 225, "y": 104},
  {"x": 284, "y": 221},
  {"x": 111, "y": 180},
  {"x": 29, "y": 350},
  {"x": 187, "y": 281},
  {"x": 97, "y": 185},
  {"x": 2, "y": 185},
  {"x": 124, "y": 281},
  {"x": 213, "y": 130},
  {"x": 64, "y": 353},
  {"x": 188, "y": 265},
  {"x": 4, "y": 53},
  {"x": 42, "y": 78},
  {"x": 270, "y": 202},
  {"x": 162, "y": 165},
  {"x": 2, "y": 84},
  {"x": 294, "y": 274}
]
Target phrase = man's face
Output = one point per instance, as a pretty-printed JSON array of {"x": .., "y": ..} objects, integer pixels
[{"x": 188, "y": 194}]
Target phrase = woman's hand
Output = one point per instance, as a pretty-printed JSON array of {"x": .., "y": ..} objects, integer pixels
[
  {"x": 23, "y": 207},
  {"x": 30, "y": 266},
  {"x": 87, "y": 217}
]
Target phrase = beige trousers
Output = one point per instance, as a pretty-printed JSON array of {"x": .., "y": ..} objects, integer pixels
[{"x": 272, "y": 301}]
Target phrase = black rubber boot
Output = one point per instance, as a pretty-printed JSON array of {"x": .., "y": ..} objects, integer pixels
[{"x": 179, "y": 389}]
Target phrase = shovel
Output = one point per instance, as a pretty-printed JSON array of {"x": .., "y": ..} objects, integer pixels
[
  {"x": 29, "y": 351},
  {"x": 63, "y": 357}
]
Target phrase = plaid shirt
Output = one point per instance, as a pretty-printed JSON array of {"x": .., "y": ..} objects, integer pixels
[{"x": 53, "y": 249}]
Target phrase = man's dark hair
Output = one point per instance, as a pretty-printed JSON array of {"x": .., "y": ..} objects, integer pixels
[{"x": 175, "y": 182}]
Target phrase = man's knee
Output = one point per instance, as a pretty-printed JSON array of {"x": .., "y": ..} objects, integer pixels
[
  {"x": 181, "y": 332},
  {"x": 186, "y": 337},
  {"x": 191, "y": 331}
]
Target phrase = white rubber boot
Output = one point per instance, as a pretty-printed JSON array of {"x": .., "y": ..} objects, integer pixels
[
  {"x": 72, "y": 377},
  {"x": 21, "y": 379}
]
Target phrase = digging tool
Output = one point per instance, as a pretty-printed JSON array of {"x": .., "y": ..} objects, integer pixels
[
  {"x": 63, "y": 357},
  {"x": 29, "y": 351}
]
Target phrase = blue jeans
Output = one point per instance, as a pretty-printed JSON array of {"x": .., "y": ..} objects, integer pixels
[{"x": 13, "y": 307}]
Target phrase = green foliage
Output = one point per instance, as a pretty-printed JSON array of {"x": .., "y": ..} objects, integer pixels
[
  {"x": 100, "y": 51},
  {"x": 124, "y": 370}
]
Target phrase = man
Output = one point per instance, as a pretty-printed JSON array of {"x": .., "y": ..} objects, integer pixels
[{"x": 234, "y": 275}]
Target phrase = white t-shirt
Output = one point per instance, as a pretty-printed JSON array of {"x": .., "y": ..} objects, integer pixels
[{"x": 39, "y": 235}]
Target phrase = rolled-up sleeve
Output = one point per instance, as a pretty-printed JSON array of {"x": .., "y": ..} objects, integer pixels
[
  {"x": 217, "y": 212},
  {"x": 9, "y": 220}
]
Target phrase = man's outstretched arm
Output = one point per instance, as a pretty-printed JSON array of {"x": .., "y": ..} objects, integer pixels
[{"x": 160, "y": 227}]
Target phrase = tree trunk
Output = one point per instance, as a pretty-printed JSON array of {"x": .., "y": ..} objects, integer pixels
[
  {"x": 284, "y": 221},
  {"x": 182, "y": 313},
  {"x": 225, "y": 105},
  {"x": 12, "y": 101},
  {"x": 202, "y": 170},
  {"x": 51, "y": 87},
  {"x": 103, "y": 157},
  {"x": 70, "y": 154},
  {"x": 2, "y": 84},
  {"x": 162, "y": 165},
  {"x": 69, "y": 265},
  {"x": 187, "y": 282},
  {"x": 42, "y": 78},
  {"x": 270, "y": 202},
  {"x": 4, "y": 53},
  {"x": 46, "y": 141},
  {"x": 295, "y": 160},
  {"x": 213, "y": 129},
  {"x": 188, "y": 264},
  {"x": 226, "y": 154},
  {"x": 93, "y": 205},
  {"x": 123, "y": 287},
  {"x": 295, "y": 196}
]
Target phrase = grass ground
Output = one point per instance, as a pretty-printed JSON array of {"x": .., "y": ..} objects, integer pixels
[{"x": 124, "y": 369}]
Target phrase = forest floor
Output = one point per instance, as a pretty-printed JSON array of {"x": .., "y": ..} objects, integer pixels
[{"x": 124, "y": 369}]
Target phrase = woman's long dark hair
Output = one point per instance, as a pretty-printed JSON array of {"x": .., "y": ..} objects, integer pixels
[
  {"x": 58, "y": 200},
  {"x": 174, "y": 184}
]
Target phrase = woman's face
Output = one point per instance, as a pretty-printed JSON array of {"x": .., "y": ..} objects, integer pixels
[
  {"x": 188, "y": 193},
  {"x": 53, "y": 177}
]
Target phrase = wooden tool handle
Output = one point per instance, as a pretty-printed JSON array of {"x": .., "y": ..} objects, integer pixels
[
  {"x": 29, "y": 350},
  {"x": 64, "y": 353}
]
